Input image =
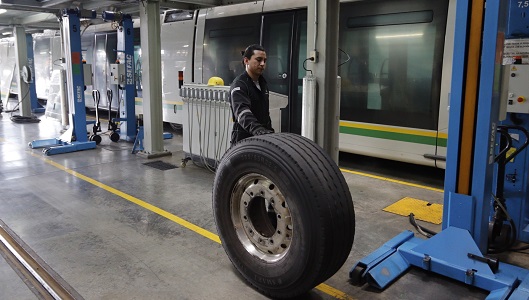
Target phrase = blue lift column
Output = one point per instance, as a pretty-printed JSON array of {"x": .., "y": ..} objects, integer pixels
[
  {"x": 513, "y": 188},
  {"x": 460, "y": 250},
  {"x": 35, "y": 105},
  {"x": 125, "y": 55},
  {"x": 76, "y": 137}
]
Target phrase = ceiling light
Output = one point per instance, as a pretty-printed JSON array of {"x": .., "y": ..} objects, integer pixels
[
  {"x": 6, "y": 33},
  {"x": 2, "y": 10}
]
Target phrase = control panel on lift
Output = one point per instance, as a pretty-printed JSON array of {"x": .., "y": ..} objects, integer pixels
[
  {"x": 518, "y": 89},
  {"x": 117, "y": 74},
  {"x": 87, "y": 74},
  {"x": 512, "y": 173}
]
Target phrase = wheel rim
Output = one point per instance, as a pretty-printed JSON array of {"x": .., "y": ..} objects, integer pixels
[{"x": 261, "y": 217}]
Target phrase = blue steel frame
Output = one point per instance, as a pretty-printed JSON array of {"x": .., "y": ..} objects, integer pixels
[
  {"x": 75, "y": 80},
  {"x": 128, "y": 128},
  {"x": 465, "y": 217}
]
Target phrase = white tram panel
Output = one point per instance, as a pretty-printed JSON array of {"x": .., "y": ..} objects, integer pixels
[
  {"x": 278, "y": 5},
  {"x": 176, "y": 54}
]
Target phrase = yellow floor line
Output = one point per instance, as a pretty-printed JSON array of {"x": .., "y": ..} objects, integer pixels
[
  {"x": 393, "y": 180},
  {"x": 203, "y": 232}
]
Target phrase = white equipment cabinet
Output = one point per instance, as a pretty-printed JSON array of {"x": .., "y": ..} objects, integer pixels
[{"x": 208, "y": 122}]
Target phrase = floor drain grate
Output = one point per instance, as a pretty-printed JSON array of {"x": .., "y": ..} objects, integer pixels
[{"x": 160, "y": 165}]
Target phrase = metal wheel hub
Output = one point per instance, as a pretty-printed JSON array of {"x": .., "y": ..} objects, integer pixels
[{"x": 261, "y": 217}]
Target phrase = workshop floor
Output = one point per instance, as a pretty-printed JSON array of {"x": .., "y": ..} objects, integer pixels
[{"x": 110, "y": 225}]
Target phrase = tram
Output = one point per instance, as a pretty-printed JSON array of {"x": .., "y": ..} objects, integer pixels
[{"x": 395, "y": 65}]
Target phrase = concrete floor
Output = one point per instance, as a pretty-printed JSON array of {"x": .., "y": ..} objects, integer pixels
[{"x": 86, "y": 214}]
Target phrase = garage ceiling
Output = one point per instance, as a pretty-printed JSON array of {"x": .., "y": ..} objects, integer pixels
[{"x": 37, "y": 15}]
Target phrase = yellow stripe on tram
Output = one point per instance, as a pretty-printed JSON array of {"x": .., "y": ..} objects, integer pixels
[{"x": 201, "y": 231}]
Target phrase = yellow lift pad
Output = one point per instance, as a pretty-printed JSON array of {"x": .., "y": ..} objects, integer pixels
[{"x": 423, "y": 210}]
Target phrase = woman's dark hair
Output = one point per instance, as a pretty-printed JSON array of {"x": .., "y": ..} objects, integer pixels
[{"x": 249, "y": 51}]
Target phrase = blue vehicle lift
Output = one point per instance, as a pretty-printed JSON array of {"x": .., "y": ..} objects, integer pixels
[
  {"x": 473, "y": 207},
  {"x": 76, "y": 137},
  {"x": 125, "y": 54}
]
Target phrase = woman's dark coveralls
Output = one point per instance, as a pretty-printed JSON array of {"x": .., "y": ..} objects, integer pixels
[{"x": 249, "y": 107}]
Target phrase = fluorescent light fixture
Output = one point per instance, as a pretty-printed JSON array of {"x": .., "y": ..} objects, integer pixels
[
  {"x": 2, "y": 10},
  {"x": 396, "y": 36},
  {"x": 7, "y": 33}
]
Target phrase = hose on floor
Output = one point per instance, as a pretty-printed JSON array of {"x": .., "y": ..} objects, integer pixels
[{"x": 422, "y": 230}]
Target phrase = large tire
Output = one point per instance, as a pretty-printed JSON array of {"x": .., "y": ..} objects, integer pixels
[{"x": 284, "y": 213}]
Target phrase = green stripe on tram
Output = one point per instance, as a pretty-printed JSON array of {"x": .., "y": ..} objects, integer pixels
[{"x": 396, "y": 136}]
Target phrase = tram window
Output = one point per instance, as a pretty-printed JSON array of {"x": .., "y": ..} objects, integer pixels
[
  {"x": 223, "y": 44},
  {"x": 177, "y": 15},
  {"x": 393, "y": 74}
]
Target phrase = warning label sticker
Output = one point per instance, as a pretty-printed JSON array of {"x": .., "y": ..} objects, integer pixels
[{"x": 514, "y": 50}]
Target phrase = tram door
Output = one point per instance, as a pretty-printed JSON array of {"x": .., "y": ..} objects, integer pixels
[{"x": 285, "y": 41}]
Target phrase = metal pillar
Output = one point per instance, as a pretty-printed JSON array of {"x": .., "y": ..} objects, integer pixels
[
  {"x": 458, "y": 250},
  {"x": 24, "y": 100},
  {"x": 152, "y": 87},
  {"x": 323, "y": 26}
]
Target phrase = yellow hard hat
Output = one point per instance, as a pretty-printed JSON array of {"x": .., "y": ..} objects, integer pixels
[{"x": 215, "y": 81}]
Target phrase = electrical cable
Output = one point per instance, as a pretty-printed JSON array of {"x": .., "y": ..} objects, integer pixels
[
  {"x": 422, "y": 230},
  {"x": 209, "y": 126},
  {"x": 215, "y": 143},
  {"x": 58, "y": 65},
  {"x": 225, "y": 128},
  {"x": 22, "y": 119},
  {"x": 512, "y": 238},
  {"x": 190, "y": 125},
  {"x": 304, "y": 68},
  {"x": 347, "y": 60}
]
